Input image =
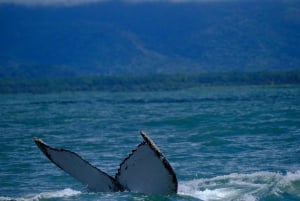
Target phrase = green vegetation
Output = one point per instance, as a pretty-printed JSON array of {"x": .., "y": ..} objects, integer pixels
[
  {"x": 146, "y": 83},
  {"x": 120, "y": 38}
]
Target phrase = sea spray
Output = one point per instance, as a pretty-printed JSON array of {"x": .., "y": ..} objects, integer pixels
[
  {"x": 65, "y": 193},
  {"x": 253, "y": 186}
]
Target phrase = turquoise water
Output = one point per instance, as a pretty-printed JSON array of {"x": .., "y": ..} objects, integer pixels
[{"x": 225, "y": 143}]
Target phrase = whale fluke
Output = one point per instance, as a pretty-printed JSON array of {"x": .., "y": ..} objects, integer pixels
[
  {"x": 95, "y": 179},
  {"x": 145, "y": 170}
]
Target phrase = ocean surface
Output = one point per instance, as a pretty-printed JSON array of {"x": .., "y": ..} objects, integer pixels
[{"x": 224, "y": 143}]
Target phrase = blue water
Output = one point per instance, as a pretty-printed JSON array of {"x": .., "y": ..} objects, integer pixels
[{"x": 225, "y": 143}]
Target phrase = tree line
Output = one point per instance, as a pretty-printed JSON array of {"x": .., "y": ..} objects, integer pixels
[{"x": 146, "y": 82}]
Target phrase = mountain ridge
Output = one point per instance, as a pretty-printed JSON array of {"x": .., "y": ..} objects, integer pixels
[{"x": 118, "y": 38}]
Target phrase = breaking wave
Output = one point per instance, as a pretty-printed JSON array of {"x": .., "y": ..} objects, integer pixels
[
  {"x": 243, "y": 187},
  {"x": 45, "y": 195}
]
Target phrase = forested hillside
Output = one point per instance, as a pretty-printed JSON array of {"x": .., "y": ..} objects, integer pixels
[{"x": 121, "y": 38}]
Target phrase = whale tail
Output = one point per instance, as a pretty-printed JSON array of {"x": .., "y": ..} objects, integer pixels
[{"x": 145, "y": 170}]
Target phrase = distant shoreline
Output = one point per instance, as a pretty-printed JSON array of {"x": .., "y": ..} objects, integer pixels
[{"x": 157, "y": 82}]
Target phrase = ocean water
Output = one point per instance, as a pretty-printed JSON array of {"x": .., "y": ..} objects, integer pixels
[{"x": 224, "y": 143}]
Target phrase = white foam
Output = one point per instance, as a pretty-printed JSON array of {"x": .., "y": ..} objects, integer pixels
[
  {"x": 248, "y": 197},
  {"x": 45, "y": 195},
  {"x": 217, "y": 194},
  {"x": 242, "y": 187}
]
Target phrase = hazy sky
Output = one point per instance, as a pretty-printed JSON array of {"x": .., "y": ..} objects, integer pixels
[{"x": 75, "y": 2}]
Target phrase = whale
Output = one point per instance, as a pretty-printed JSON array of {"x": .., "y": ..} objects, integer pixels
[{"x": 144, "y": 170}]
